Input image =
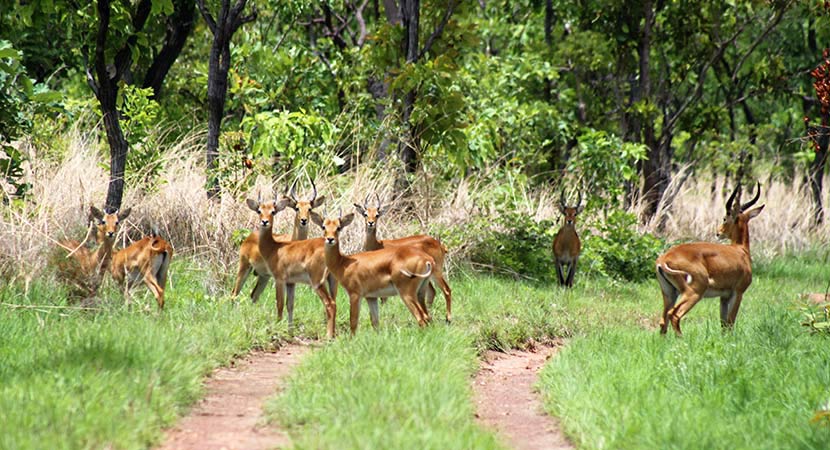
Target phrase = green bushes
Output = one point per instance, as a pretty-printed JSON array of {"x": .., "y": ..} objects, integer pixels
[{"x": 620, "y": 251}]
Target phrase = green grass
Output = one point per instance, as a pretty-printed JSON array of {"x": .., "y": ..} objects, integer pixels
[
  {"x": 115, "y": 377},
  {"x": 758, "y": 386}
]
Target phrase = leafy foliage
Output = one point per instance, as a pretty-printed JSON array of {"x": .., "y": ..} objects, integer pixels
[{"x": 620, "y": 251}]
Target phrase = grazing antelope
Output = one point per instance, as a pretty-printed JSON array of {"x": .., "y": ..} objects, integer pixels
[
  {"x": 145, "y": 260},
  {"x": 379, "y": 273},
  {"x": 250, "y": 258},
  {"x": 88, "y": 267},
  {"x": 566, "y": 244},
  {"x": 702, "y": 269},
  {"x": 424, "y": 243},
  {"x": 291, "y": 262}
]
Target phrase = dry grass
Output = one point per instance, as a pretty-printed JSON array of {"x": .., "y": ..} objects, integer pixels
[{"x": 62, "y": 192}]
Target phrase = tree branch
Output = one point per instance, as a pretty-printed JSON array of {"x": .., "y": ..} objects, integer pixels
[
  {"x": 439, "y": 29},
  {"x": 207, "y": 16},
  {"x": 90, "y": 78},
  {"x": 774, "y": 21}
]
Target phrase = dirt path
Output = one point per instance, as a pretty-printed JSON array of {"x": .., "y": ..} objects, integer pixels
[
  {"x": 506, "y": 402},
  {"x": 230, "y": 416}
]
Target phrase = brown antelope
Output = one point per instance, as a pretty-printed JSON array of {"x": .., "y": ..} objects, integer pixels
[
  {"x": 145, "y": 260},
  {"x": 250, "y": 258},
  {"x": 424, "y": 243},
  {"x": 380, "y": 273},
  {"x": 702, "y": 269},
  {"x": 566, "y": 244},
  {"x": 291, "y": 262},
  {"x": 88, "y": 267}
]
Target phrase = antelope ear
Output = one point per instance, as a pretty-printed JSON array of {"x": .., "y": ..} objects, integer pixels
[
  {"x": 318, "y": 201},
  {"x": 253, "y": 205},
  {"x": 381, "y": 211},
  {"x": 124, "y": 214},
  {"x": 561, "y": 207},
  {"x": 317, "y": 218},
  {"x": 752, "y": 213},
  {"x": 359, "y": 209},
  {"x": 96, "y": 213},
  {"x": 280, "y": 204},
  {"x": 346, "y": 220}
]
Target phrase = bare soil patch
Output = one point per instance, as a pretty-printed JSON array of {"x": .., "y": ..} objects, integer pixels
[
  {"x": 230, "y": 416},
  {"x": 507, "y": 402}
]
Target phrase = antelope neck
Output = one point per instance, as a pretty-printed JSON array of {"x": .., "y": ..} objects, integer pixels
[
  {"x": 371, "y": 242},
  {"x": 300, "y": 232}
]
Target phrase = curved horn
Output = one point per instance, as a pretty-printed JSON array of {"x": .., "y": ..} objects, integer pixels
[
  {"x": 366, "y": 201},
  {"x": 377, "y": 197},
  {"x": 314, "y": 194},
  {"x": 562, "y": 199},
  {"x": 339, "y": 212},
  {"x": 732, "y": 198},
  {"x": 292, "y": 191},
  {"x": 746, "y": 205},
  {"x": 578, "y": 199}
]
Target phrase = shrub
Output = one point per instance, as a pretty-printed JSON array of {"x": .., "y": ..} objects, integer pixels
[{"x": 623, "y": 252}]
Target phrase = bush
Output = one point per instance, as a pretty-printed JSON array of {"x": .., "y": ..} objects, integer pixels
[
  {"x": 523, "y": 248},
  {"x": 619, "y": 250}
]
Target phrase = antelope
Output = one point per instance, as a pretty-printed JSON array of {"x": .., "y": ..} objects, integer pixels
[
  {"x": 251, "y": 259},
  {"x": 145, "y": 260},
  {"x": 702, "y": 269},
  {"x": 291, "y": 262},
  {"x": 379, "y": 273},
  {"x": 424, "y": 243},
  {"x": 566, "y": 244},
  {"x": 90, "y": 266}
]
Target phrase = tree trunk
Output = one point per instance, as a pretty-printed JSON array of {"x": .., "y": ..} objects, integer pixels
[
  {"x": 179, "y": 27},
  {"x": 408, "y": 147},
  {"x": 654, "y": 177}
]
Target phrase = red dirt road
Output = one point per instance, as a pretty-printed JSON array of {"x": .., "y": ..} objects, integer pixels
[
  {"x": 506, "y": 402},
  {"x": 230, "y": 416}
]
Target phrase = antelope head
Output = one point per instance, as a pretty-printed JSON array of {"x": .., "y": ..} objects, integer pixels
[
  {"x": 107, "y": 223},
  {"x": 332, "y": 227},
  {"x": 266, "y": 210},
  {"x": 570, "y": 212},
  {"x": 370, "y": 213},
  {"x": 738, "y": 214},
  {"x": 303, "y": 208}
]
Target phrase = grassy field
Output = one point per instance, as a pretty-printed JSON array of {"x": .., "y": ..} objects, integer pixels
[{"x": 116, "y": 377}]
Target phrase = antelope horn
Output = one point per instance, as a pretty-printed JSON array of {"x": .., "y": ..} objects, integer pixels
[
  {"x": 562, "y": 199},
  {"x": 291, "y": 193},
  {"x": 746, "y": 205},
  {"x": 314, "y": 194},
  {"x": 732, "y": 198},
  {"x": 339, "y": 213},
  {"x": 578, "y": 199},
  {"x": 377, "y": 197},
  {"x": 366, "y": 201}
]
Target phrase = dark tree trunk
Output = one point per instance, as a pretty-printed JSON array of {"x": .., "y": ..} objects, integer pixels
[
  {"x": 549, "y": 42},
  {"x": 409, "y": 146},
  {"x": 105, "y": 87},
  {"x": 654, "y": 176},
  {"x": 228, "y": 21},
  {"x": 179, "y": 26}
]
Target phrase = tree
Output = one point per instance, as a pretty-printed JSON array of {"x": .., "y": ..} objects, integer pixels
[
  {"x": 820, "y": 135},
  {"x": 228, "y": 21}
]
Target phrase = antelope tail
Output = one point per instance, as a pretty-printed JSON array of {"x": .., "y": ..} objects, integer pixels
[
  {"x": 665, "y": 268},
  {"x": 423, "y": 275}
]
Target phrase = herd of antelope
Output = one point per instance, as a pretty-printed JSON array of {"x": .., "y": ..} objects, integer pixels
[{"x": 406, "y": 267}]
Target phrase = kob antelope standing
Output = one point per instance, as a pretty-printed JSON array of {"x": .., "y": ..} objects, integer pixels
[
  {"x": 250, "y": 258},
  {"x": 380, "y": 273},
  {"x": 86, "y": 268},
  {"x": 702, "y": 269},
  {"x": 291, "y": 262},
  {"x": 145, "y": 260},
  {"x": 425, "y": 243},
  {"x": 566, "y": 244}
]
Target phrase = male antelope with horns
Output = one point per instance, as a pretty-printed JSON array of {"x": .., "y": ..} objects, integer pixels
[
  {"x": 702, "y": 269},
  {"x": 566, "y": 244},
  {"x": 425, "y": 243}
]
